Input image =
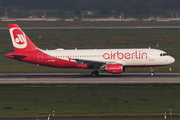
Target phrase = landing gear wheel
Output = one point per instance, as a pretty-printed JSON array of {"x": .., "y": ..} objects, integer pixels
[
  {"x": 152, "y": 74},
  {"x": 95, "y": 73},
  {"x": 151, "y": 71}
]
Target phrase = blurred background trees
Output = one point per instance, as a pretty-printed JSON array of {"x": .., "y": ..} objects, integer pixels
[{"x": 100, "y": 8}]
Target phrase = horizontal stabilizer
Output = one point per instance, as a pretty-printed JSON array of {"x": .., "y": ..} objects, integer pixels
[{"x": 18, "y": 55}]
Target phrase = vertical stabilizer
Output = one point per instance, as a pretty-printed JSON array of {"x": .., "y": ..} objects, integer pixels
[{"x": 19, "y": 39}]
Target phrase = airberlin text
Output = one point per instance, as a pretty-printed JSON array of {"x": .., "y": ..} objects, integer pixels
[{"x": 127, "y": 55}]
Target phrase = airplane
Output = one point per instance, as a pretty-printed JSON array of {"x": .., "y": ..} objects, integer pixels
[{"x": 111, "y": 60}]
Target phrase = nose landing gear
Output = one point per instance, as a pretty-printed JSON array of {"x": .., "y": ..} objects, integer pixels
[{"x": 151, "y": 71}]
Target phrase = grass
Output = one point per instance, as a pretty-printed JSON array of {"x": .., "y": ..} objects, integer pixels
[
  {"x": 168, "y": 39},
  {"x": 30, "y": 100}
]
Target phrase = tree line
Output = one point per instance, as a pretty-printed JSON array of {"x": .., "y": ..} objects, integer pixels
[{"x": 104, "y": 7}]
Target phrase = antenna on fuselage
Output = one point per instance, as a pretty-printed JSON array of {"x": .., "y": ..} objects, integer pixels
[
  {"x": 149, "y": 48},
  {"x": 75, "y": 48}
]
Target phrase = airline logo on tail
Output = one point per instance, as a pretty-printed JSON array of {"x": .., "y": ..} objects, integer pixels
[{"x": 18, "y": 38}]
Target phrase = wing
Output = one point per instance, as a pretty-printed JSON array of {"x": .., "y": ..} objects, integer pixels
[{"x": 90, "y": 62}]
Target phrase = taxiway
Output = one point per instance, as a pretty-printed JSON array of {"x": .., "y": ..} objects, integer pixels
[{"x": 85, "y": 78}]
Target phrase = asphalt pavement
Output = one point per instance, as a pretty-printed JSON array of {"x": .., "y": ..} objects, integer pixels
[{"x": 85, "y": 78}]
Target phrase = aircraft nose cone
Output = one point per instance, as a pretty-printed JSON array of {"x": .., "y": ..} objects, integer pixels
[{"x": 173, "y": 60}]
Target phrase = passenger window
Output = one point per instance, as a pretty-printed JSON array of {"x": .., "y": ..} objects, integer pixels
[{"x": 161, "y": 54}]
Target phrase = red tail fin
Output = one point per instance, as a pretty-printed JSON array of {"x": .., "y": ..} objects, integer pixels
[{"x": 19, "y": 39}]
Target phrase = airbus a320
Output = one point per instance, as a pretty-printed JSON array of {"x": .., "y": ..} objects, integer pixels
[{"x": 111, "y": 60}]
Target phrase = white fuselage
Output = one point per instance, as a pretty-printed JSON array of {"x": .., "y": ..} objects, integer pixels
[
  {"x": 127, "y": 57},
  {"x": 112, "y": 60}
]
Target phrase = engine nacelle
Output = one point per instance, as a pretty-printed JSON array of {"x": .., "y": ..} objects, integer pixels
[{"x": 114, "y": 68}]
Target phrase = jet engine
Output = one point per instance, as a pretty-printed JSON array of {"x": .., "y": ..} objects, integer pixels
[{"x": 113, "y": 68}]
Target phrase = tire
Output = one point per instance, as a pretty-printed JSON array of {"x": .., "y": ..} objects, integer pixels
[
  {"x": 94, "y": 74},
  {"x": 152, "y": 74},
  {"x": 97, "y": 73}
]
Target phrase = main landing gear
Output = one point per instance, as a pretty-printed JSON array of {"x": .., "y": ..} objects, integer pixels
[
  {"x": 151, "y": 71},
  {"x": 95, "y": 73}
]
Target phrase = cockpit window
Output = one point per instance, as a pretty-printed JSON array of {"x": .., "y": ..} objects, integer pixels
[{"x": 163, "y": 54}]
